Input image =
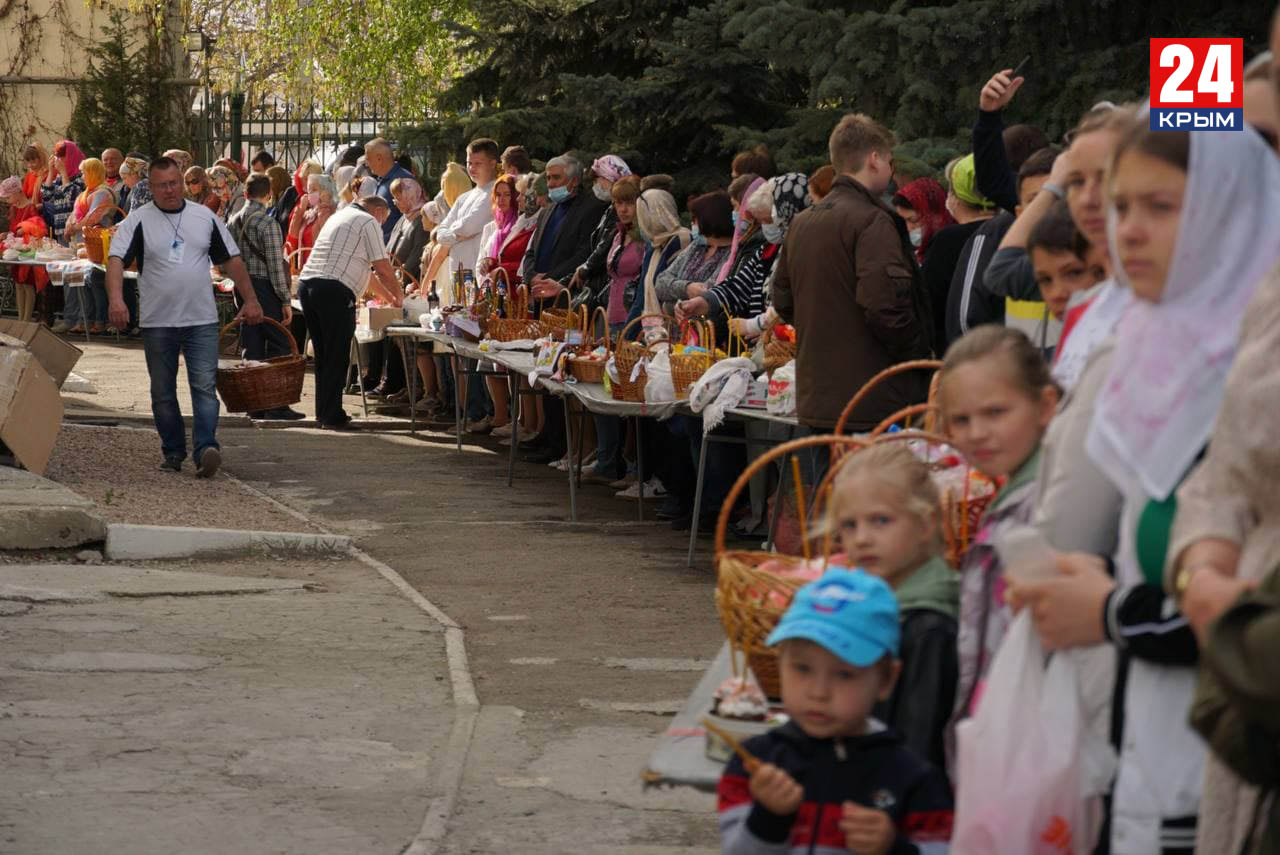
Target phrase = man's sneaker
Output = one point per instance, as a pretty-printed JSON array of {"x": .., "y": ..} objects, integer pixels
[
  {"x": 173, "y": 463},
  {"x": 209, "y": 463},
  {"x": 60, "y": 327}
]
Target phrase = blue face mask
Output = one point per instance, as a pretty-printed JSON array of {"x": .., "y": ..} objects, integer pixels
[
  {"x": 696, "y": 236},
  {"x": 772, "y": 233},
  {"x": 558, "y": 194},
  {"x": 737, "y": 220}
]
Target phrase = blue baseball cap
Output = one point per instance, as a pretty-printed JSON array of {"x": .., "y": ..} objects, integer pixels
[{"x": 849, "y": 612}]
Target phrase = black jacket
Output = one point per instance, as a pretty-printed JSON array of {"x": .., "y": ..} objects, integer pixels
[
  {"x": 921, "y": 703},
  {"x": 968, "y": 303},
  {"x": 992, "y": 173},
  {"x": 572, "y": 242},
  {"x": 940, "y": 261},
  {"x": 875, "y": 770}
]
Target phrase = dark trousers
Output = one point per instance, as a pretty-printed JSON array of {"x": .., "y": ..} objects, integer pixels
[
  {"x": 330, "y": 310},
  {"x": 263, "y": 341},
  {"x": 131, "y": 301}
]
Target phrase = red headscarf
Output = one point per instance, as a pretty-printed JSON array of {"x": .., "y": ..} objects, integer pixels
[
  {"x": 71, "y": 156},
  {"x": 928, "y": 198}
]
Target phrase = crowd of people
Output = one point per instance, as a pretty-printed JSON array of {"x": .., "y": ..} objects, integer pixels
[{"x": 1104, "y": 309}]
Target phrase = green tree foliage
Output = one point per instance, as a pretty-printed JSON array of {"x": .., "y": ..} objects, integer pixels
[
  {"x": 125, "y": 101},
  {"x": 689, "y": 82}
]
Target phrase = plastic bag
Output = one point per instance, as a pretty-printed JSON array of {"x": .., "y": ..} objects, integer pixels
[
  {"x": 1027, "y": 764},
  {"x": 782, "y": 391},
  {"x": 659, "y": 387}
]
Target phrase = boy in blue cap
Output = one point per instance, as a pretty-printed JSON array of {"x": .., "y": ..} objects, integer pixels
[{"x": 833, "y": 779}]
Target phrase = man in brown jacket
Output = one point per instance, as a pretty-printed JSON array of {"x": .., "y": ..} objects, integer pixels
[{"x": 847, "y": 281}]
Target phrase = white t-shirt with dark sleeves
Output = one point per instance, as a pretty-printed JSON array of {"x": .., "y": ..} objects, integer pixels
[{"x": 174, "y": 251}]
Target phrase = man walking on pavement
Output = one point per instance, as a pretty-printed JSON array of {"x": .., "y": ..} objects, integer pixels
[
  {"x": 262, "y": 250},
  {"x": 174, "y": 243},
  {"x": 335, "y": 276}
]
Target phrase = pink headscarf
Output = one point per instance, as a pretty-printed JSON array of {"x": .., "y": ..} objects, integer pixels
[
  {"x": 610, "y": 167},
  {"x": 744, "y": 223},
  {"x": 71, "y": 155}
]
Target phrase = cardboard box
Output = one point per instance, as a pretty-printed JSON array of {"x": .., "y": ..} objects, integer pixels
[
  {"x": 30, "y": 408},
  {"x": 378, "y": 317},
  {"x": 56, "y": 356}
]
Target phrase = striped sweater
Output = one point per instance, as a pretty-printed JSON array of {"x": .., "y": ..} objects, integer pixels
[{"x": 874, "y": 770}]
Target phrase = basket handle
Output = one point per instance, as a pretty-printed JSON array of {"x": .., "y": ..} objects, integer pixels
[
  {"x": 235, "y": 322},
  {"x": 904, "y": 414},
  {"x": 600, "y": 310},
  {"x": 500, "y": 271},
  {"x": 777, "y": 452},
  {"x": 399, "y": 265},
  {"x": 637, "y": 319},
  {"x": 292, "y": 258},
  {"x": 891, "y": 371}
]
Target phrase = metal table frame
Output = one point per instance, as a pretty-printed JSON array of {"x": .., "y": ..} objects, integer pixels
[{"x": 744, "y": 415}]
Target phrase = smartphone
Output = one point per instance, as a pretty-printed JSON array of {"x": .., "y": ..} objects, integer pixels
[{"x": 1021, "y": 67}]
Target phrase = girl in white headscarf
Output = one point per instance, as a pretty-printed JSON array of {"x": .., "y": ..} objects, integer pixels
[{"x": 1194, "y": 219}]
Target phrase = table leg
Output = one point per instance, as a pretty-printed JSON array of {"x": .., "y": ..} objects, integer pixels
[
  {"x": 364, "y": 401},
  {"x": 573, "y": 485},
  {"x": 458, "y": 379},
  {"x": 778, "y": 501},
  {"x": 513, "y": 410},
  {"x": 640, "y": 469},
  {"x": 697, "y": 501},
  {"x": 408, "y": 355},
  {"x": 582, "y": 431}
]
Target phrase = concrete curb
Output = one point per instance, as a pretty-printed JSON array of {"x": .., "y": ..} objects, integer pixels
[{"x": 142, "y": 542}]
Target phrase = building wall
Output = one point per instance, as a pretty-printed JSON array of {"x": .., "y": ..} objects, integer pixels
[{"x": 44, "y": 39}]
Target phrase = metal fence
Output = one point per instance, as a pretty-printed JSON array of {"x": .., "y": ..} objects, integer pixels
[{"x": 292, "y": 133}]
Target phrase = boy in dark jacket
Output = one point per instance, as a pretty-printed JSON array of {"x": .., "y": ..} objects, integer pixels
[{"x": 833, "y": 779}]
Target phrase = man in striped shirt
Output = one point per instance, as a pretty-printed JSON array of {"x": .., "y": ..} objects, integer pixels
[
  {"x": 262, "y": 249},
  {"x": 335, "y": 276}
]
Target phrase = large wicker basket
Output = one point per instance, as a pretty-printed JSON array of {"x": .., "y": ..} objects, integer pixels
[
  {"x": 750, "y": 598},
  {"x": 97, "y": 239},
  {"x": 555, "y": 320},
  {"x": 688, "y": 368},
  {"x": 276, "y": 383},
  {"x": 626, "y": 355},
  {"x": 517, "y": 324},
  {"x": 777, "y": 353},
  {"x": 591, "y": 370}
]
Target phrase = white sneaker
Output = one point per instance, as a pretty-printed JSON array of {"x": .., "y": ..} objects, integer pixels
[
  {"x": 653, "y": 489},
  {"x": 502, "y": 431},
  {"x": 60, "y": 327},
  {"x": 562, "y": 464}
]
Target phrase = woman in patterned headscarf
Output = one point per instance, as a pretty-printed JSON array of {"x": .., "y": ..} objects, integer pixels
[{"x": 744, "y": 295}]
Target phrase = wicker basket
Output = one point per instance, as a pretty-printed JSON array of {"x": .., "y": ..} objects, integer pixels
[
  {"x": 555, "y": 320},
  {"x": 688, "y": 368},
  {"x": 517, "y": 324},
  {"x": 626, "y": 354},
  {"x": 277, "y": 383},
  {"x": 97, "y": 240},
  {"x": 777, "y": 353},
  {"x": 591, "y": 370},
  {"x": 750, "y": 599}
]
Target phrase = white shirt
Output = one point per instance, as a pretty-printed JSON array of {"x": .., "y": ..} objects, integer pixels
[
  {"x": 463, "y": 226},
  {"x": 174, "y": 251},
  {"x": 350, "y": 241}
]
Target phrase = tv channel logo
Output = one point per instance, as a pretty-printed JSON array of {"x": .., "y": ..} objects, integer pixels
[{"x": 1197, "y": 84}]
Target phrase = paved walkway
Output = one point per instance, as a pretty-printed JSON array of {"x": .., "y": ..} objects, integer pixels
[{"x": 248, "y": 706}]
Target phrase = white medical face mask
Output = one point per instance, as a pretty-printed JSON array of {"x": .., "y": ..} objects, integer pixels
[{"x": 917, "y": 235}]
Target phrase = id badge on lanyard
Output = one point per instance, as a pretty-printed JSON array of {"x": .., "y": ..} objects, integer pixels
[{"x": 175, "y": 250}]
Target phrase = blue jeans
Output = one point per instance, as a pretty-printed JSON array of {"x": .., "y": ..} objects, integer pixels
[
  {"x": 199, "y": 348},
  {"x": 94, "y": 295},
  {"x": 73, "y": 305}
]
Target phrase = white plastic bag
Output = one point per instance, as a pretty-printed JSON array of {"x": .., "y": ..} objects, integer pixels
[
  {"x": 1027, "y": 765},
  {"x": 659, "y": 388},
  {"x": 782, "y": 391}
]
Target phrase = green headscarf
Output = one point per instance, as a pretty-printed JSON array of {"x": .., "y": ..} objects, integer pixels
[{"x": 964, "y": 183}]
